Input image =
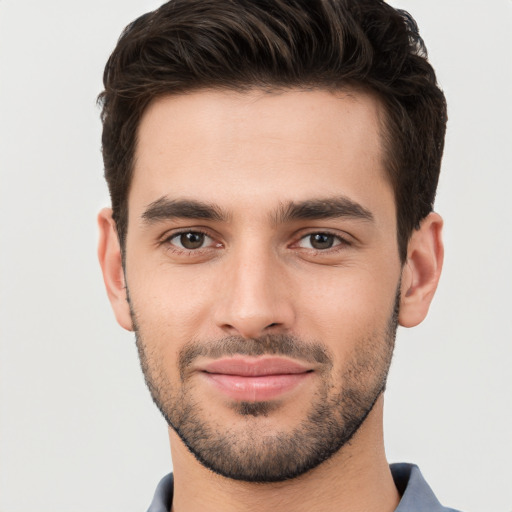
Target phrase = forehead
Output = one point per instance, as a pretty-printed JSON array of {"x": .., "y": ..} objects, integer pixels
[{"x": 259, "y": 147}]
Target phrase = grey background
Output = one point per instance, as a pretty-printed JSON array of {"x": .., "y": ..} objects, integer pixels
[{"x": 78, "y": 431}]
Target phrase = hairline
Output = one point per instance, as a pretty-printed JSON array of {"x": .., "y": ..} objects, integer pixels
[{"x": 350, "y": 88}]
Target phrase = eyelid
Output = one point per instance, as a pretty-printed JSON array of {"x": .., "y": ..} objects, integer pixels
[
  {"x": 173, "y": 233},
  {"x": 337, "y": 241},
  {"x": 343, "y": 238},
  {"x": 170, "y": 233}
]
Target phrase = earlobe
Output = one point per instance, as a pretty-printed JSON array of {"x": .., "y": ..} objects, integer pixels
[
  {"x": 109, "y": 254},
  {"x": 421, "y": 271}
]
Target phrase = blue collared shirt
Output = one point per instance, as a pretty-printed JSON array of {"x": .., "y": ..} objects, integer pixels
[{"x": 417, "y": 496}]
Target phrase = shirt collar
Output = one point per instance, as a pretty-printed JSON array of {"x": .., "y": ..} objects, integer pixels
[{"x": 416, "y": 494}]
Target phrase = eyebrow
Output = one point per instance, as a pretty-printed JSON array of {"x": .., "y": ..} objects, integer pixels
[
  {"x": 312, "y": 209},
  {"x": 317, "y": 209},
  {"x": 166, "y": 209}
]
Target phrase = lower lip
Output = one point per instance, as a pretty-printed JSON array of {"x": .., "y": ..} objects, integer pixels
[{"x": 256, "y": 389}]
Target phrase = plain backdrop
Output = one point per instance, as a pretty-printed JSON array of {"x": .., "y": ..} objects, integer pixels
[{"x": 78, "y": 431}]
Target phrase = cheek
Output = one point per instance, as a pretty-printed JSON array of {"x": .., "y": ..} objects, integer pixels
[
  {"x": 169, "y": 304},
  {"x": 349, "y": 307}
]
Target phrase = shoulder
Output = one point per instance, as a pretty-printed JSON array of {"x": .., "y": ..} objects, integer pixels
[
  {"x": 417, "y": 496},
  {"x": 162, "y": 500}
]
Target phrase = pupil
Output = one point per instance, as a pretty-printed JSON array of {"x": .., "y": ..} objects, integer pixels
[
  {"x": 192, "y": 240},
  {"x": 322, "y": 241}
]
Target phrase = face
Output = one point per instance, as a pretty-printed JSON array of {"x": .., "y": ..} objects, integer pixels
[{"x": 262, "y": 269}]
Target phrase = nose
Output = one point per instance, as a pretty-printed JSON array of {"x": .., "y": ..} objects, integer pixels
[{"x": 255, "y": 296}]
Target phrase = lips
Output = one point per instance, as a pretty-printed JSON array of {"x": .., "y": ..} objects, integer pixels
[{"x": 250, "y": 379}]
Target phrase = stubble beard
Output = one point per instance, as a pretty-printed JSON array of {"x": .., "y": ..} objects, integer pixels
[{"x": 252, "y": 453}]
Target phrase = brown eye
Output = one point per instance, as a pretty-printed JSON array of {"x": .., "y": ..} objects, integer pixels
[
  {"x": 320, "y": 241},
  {"x": 190, "y": 240}
]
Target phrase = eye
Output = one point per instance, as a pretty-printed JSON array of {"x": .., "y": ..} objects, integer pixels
[
  {"x": 319, "y": 241},
  {"x": 190, "y": 240}
]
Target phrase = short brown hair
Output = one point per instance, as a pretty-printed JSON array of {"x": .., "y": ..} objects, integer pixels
[{"x": 187, "y": 45}]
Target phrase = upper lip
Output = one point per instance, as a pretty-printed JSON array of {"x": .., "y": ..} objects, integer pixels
[{"x": 254, "y": 367}]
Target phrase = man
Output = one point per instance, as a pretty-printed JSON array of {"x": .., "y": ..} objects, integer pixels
[{"x": 272, "y": 167}]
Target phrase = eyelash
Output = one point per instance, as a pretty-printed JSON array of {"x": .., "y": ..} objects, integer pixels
[
  {"x": 340, "y": 245},
  {"x": 339, "y": 241},
  {"x": 182, "y": 250}
]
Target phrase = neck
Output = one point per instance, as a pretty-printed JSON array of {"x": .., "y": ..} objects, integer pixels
[{"x": 355, "y": 479}]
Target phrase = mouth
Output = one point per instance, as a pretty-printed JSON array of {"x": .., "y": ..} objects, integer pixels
[{"x": 255, "y": 379}]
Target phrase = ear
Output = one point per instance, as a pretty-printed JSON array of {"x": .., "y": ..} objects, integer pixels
[
  {"x": 421, "y": 271},
  {"x": 109, "y": 254}
]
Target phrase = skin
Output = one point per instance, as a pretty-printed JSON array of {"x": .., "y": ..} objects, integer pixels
[{"x": 249, "y": 154}]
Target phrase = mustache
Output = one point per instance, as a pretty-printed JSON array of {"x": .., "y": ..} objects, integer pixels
[{"x": 270, "y": 344}]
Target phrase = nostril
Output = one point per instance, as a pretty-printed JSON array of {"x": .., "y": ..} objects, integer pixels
[{"x": 272, "y": 325}]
